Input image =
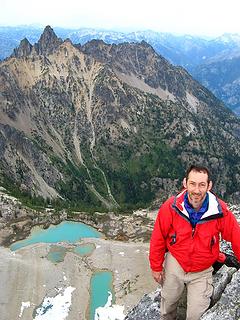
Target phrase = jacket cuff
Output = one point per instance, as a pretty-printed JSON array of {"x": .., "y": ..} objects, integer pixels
[
  {"x": 221, "y": 257},
  {"x": 157, "y": 269}
]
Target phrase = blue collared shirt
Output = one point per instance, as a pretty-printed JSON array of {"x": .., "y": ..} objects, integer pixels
[{"x": 194, "y": 215}]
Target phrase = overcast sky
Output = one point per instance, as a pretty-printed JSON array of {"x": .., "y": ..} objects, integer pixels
[{"x": 197, "y": 17}]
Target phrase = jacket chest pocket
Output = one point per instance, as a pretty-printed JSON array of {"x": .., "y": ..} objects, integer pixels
[
  {"x": 179, "y": 237},
  {"x": 208, "y": 240}
]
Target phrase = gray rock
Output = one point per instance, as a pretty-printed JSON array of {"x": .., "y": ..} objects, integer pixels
[
  {"x": 225, "y": 300},
  {"x": 147, "y": 309},
  {"x": 228, "y": 307}
]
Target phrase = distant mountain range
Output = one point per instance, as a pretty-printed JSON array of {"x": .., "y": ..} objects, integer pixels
[
  {"x": 108, "y": 125},
  {"x": 208, "y": 60},
  {"x": 222, "y": 77}
]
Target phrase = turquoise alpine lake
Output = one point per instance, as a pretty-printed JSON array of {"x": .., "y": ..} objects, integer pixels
[
  {"x": 66, "y": 231},
  {"x": 84, "y": 249},
  {"x": 101, "y": 285},
  {"x": 71, "y": 232},
  {"x": 57, "y": 254}
]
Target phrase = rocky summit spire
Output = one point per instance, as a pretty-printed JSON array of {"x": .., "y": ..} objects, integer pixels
[
  {"x": 48, "y": 42},
  {"x": 24, "y": 49}
]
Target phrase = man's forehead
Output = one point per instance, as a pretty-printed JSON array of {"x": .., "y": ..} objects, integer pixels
[{"x": 198, "y": 174}]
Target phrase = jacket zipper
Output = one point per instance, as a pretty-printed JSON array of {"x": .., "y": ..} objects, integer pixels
[{"x": 193, "y": 232}]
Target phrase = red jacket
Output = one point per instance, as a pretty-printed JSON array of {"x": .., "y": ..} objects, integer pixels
[{"x": 195, "y": 249}]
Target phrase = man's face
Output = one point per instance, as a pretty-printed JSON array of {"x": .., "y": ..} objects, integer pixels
[{"x": 197, "y": 186}]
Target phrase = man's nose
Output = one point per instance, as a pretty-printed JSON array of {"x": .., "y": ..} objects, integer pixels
[{"x": 196, "y": 189}]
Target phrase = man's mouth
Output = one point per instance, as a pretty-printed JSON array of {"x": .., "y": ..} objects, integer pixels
[{"x": 196, "y": 196}]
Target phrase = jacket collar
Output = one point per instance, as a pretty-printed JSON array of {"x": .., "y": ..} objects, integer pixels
[{"x": 214, "y": 208}]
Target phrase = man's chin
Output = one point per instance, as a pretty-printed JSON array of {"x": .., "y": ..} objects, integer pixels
[
  {"x": 196, "y": 201},
  {"x": 196, "y": 204}
]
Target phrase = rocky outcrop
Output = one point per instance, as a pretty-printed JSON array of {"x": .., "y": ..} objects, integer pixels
[
  {"x": 148, "y": 308},
  {"x": 48, "y": 42},
  {"x": 24, "y": 49},
  {"x": 225, "y": 300},
  {"x": 17, "y": 220},
  {"x": 228, "y": 305}
]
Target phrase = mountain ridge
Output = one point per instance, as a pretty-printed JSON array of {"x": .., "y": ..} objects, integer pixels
[
  {"x": 76, "y": 129},
  {"x": 191, "y": 52}
]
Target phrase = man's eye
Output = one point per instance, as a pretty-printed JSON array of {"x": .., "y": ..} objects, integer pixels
[{"x": 202, "y": 185}]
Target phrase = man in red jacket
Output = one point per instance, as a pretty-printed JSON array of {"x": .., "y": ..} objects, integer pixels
[{"x": 188, "y": 227}]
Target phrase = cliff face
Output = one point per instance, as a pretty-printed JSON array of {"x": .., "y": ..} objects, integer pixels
[{"x": 108, "y": 125}]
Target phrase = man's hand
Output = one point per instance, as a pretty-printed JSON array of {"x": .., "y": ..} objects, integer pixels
[
  {"x": 231, "y": 261},
  {"x": 216, "y": 266},
  {"x": 158, "y": 276}
]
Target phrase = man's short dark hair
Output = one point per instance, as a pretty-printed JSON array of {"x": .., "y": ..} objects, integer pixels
[{"x": 198, "y": 169}]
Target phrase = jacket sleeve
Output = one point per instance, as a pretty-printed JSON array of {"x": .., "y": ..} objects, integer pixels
[
  {"x": 159, "y": 235},
  {"x": 231, "y": 230}
]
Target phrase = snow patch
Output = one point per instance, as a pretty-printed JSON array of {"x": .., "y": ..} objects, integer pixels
[
  {"x": 55, "y": 307},
  {"x": 24, "y": 305},
  {"x": 109, "y": 311}
]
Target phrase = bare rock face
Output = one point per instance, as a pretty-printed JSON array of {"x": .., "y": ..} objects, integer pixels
[
  {"x": 225, "y": 299},
  {"x": 148, "y": 308},
  {"x": 48, "y": 42},
  {"x": 24, "y": 49},
  {"x": 228, "y": 305},
  {"x": 32, "y": 163}
]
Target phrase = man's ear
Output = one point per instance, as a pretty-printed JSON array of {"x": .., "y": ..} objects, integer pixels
[
  {"x": 210, "y": 185},
  {"x": 185, "y": 183}
]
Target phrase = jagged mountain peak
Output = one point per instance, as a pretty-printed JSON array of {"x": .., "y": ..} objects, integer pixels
[
  {"x": 48, "y": 30},
  {"x": 48, "y": 42},
  {"x": 48, "y": 35},
  {"x": 23, "y": 50}
]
